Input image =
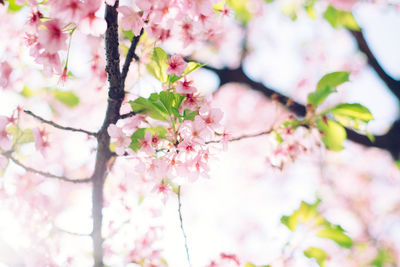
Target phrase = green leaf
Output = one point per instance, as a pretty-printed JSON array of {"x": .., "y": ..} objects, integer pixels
[
  {"x": 152, "y": 106},
  {"x": 249, "y": 265},
  {"x": 370, "y": 136},
  {"x": 128, "y": 34},
  {"x": 335, "y": 233},
  {"x": 20, "y": 136},
  {"x": 136, "y": 138},
  {"x": 192, "y": 66},
  {"x": 27, "y": 92},
  {"x": 345, "y": 112},
  {"x": 316, "y": 253},
  {"x": 339, "y": 18},
  {"x": 241, "y": 11},
  {"x": 307, "y": 213},
  {"x": 174, "y": 78},
  {"x": 290, "y": 10},
  {"x": 383, "y": 256},
  {"x": 334, "y": 134},
  {"x": 326, "y": 86},
  {"x": 68, "y": 98},
  {"x": 159, "y": 130},
  {"x": 158, "y": 64},
  {"x": 397, "y": 162},
  {"x": 189, "y": 114},
  {"x": 13, "y": 7},
  {"x": 171, "y": 100}
]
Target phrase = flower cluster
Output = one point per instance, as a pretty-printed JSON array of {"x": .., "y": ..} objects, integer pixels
[{"x": 170, "y": 132}]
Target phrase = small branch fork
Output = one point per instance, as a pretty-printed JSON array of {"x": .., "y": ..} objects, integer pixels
[
  {"x": 245, "y": 136},
  {"x": 55, "y": 125},
  {"x": 183, "y": 230}
]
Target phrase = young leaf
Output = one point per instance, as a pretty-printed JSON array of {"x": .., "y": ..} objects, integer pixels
[
  {"x": 171, "y": 100},
  {"x": 68, "y": 98},
  {"x": 160, "y": 131},
  {"x": 307, "y": 213},
  {"x": 158, "y": 64},
  {"x": 189, "y": 114},
  {"x": 20, "y": 136},
  {"x": 152, "y": 106},
  {"x": 352, "y": 111},
  {"x": 340, "y": 18},
  {"x": 382, "y": 258},
  {"x": 334, "y": 134},
  {"x": 135, "y": 139},
  {"x": 326, "y": 86},
  {"x": 335, "y": 233},
  {"x": 241, "y": 11},
  {"x": 316, "y": 253},
  {"x": 192, "y": 66}
]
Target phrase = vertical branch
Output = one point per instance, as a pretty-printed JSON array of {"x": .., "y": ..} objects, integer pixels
[
  {"x": 183, "y": 230},
  {"x": 115, "y": 96}
]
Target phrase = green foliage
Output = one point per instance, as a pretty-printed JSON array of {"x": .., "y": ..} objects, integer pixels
[
  {"x": 136, "y": 138},
  {"x": 158, "y": 64},
  {"x": 326, "y": 86},
  {"x": 316, "y": 253},
  {"x": 351, "y": 115},
  {"x": 308, "y": 214},
  {"x": 68, "y": 98},
  {"x": 241, "y": 11},
  {"x": 248, "y": 264},
  {"x": 160, "y": 131},
  {"x": 191, "y": 66},
  {"x": 13, "y": 7},
  {"x": 382, "y": 258},
  {"x": 27, "y": 92},
  {"x": 340, "y": 18},
  {"x": 333, "y": 134},
  {"x": 20, "y": 136}
]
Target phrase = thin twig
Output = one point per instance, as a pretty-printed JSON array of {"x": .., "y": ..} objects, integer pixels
[
  {"x": 242, "y": 137},
  {"x": 46, "y": 174},
  {"x": 183, "y": 230},
  {"x": 127, "y": 115},
  {"x": 71, "y": 233},
  {"x": 55, "y": 125}
]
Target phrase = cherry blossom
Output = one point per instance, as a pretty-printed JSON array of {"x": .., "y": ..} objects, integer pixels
[
  {"x": 5, "y": 141},
  {"x": 185, "y": 87},
  {"x": 131, "y": 20},
  {"x": 123, "y": 141},
  {"x": 177, "y": 65},
  {"x": 41, "y": 140},
  {"x": 52, "y": 38}
]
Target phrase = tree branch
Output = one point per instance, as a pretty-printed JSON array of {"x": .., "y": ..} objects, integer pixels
[
  {"x": 55, "y": 125},
  {"x": 46, "y": 174},
  {"x": 388, "y": 141},
  {"x": 129, "y": 56},
  {"x": 127, "y": 115},
  {"x": 245, "y": 136},
  {"x": 183, "y": 230},
  {"x": 392, "y": 84}
]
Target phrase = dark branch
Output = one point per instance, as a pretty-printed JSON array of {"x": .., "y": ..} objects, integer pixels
[
  {"x": 388, "y": 141},
  {"x": 127, "y": 115},
  {"x": 55, "y": 125},
  {"x": 46, "y": 174},
  {"x": 392, "y": 84},
  {"x": 129, "y": 57}
]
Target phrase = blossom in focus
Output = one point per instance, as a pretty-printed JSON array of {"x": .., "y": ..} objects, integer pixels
[{"x": 177, "y": 65}]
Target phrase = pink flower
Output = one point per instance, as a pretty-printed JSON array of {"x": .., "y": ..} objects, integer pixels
[
  {"x": 147, "y": 144},
  {"x": 176, "y": 65},
  {"x": 164, "y": 190},
  {"x": 131, "y": 20},
  {"x": 5, "y": 141},
  {"x": 52, "y": 39},
  {"x": 3, "y": 162},
  {"x": 195, "y": 131},
  {"x": 51, "y": 62},
  {"x": 344, "y": 4},
  {"x": 5, "y": 73},
  {"x": 212, "y": 117},
  {"x": 68, "y": 10},
  {"x": 185, "y": 87},
  {"x": 122, "y": 140},
  {"x": 41, "y": 140}
]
